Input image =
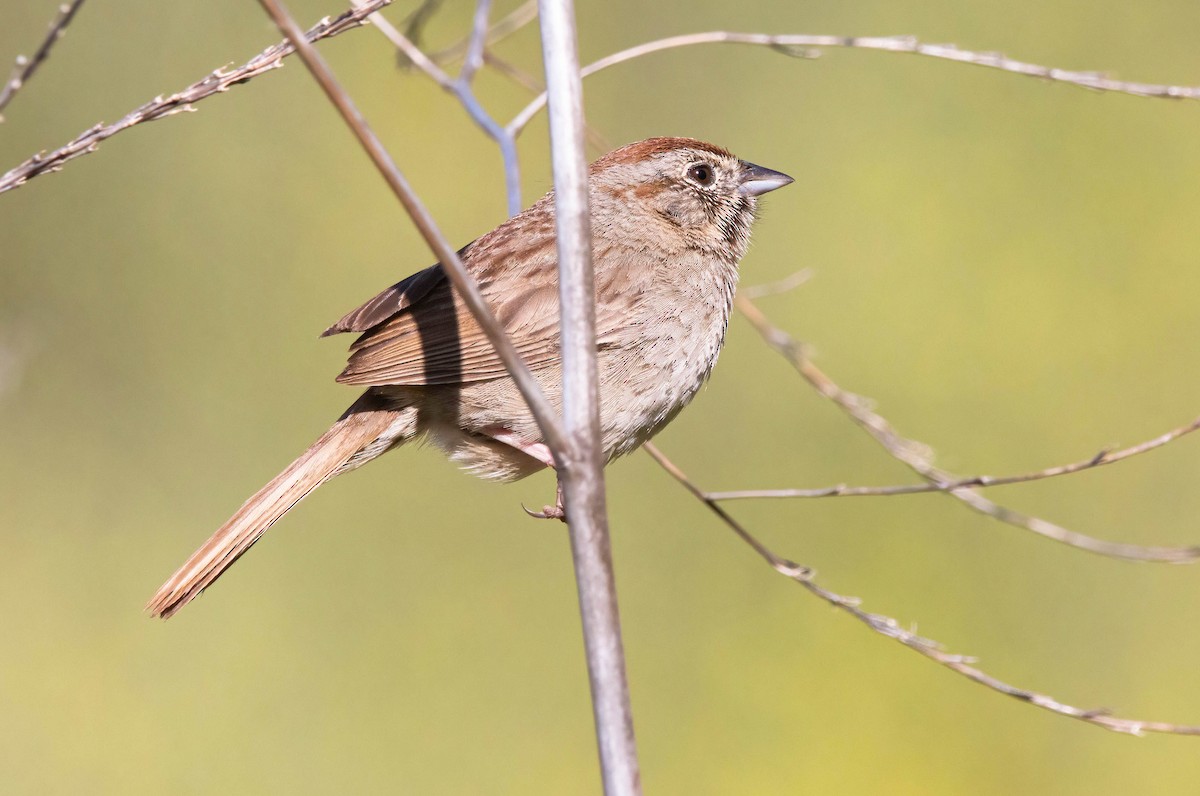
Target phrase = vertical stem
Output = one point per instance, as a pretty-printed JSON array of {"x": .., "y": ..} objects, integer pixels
[{"x": 581, "y": 471}]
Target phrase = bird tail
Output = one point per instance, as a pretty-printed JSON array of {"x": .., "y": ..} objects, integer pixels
[{"x": 368, "y": 429}]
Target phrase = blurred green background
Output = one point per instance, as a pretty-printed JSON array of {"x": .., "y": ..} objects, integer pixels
[{"x": 1007, "y": 266}]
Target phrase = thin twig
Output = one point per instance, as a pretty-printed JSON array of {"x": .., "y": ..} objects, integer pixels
[
  {"x": 461, "y": 89},
  {"x": 917, "y": 456},
  {"x": 479, "y": 31},
  {"x": 803, "y": 44},
  {"x": 539, "y": 406},
  {"x": 514, "y": 73},
  {"x": 24, "y": 68},
  {"x": 887, "y": 626},
  {"x": 161, "y": 107},
  {"x": 1100, "y": 459},
  {"x": 516, "y": 19},
  {"x": 788, "y": 283}
]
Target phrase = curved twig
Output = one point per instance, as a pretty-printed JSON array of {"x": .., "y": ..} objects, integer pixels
[{"x": 806, "y": 46}]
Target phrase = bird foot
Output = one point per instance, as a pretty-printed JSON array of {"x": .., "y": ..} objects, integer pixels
[{"x": 555, "y": 512}]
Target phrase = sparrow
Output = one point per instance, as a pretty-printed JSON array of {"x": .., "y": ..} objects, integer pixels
[{"x": 670, "y": 218}]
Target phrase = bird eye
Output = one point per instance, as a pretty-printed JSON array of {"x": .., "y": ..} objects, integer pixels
[{"x": 702, "y": 174}]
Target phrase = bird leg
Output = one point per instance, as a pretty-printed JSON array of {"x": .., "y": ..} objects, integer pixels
[{"x": 541, "y": 452}]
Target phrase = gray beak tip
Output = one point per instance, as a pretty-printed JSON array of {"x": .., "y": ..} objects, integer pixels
[{"x": 757, "y": 180}]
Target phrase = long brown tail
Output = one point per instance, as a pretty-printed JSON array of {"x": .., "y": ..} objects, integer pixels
[{"x": 368, "y": 429}]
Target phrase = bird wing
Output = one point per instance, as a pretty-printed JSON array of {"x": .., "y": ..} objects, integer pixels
[
  {"x": 396, "y": 298},
  {"x": 420, "y": 332}
]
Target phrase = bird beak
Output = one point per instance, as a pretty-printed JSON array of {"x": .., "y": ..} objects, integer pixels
[{"x": 757, "y": 180}]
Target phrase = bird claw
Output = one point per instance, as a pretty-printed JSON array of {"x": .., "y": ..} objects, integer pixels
[
  {"x": 555, "y": 512},
  {"x": 550, "y": 512},
  {"x": 547, "y": 513}
]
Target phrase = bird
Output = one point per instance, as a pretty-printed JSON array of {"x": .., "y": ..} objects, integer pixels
[{"x": 670, "y": 219}]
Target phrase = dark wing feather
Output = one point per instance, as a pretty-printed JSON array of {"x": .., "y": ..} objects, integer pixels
[
  {"x": 419, "y": 331},
  {"x": 398, "y": 297}
]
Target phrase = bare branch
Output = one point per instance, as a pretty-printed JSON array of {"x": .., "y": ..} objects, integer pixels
[
  {"x": 161, "y": 107},
  {"x": 803, "y": 45},
  {"x": 889, "y": 627},
  {"x": 461, "y": 88},
  {"x": 582, "y": 477},
  {"x": 918, "y": 457},
  {"x": 24, "y": 68},
  {"x": 466, "y": 286},
  {"x": 1100, "y": 459}
]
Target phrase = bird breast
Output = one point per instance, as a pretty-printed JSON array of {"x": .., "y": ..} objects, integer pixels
[{"x": 656, "y": 360}]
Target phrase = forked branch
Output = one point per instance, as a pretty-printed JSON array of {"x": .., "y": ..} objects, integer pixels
[
  {"x": 917, "y": 456},
  {"x": 547, "y": 421},
  {"x": 461, "y": 88},
  {"x": 578, "y": 457},
  {"x": 887, "y": 626}
]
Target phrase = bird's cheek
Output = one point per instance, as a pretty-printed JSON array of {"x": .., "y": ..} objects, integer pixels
[
  {"x": 683, "y": 213},
  {"x": 673, "y": 212}
]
